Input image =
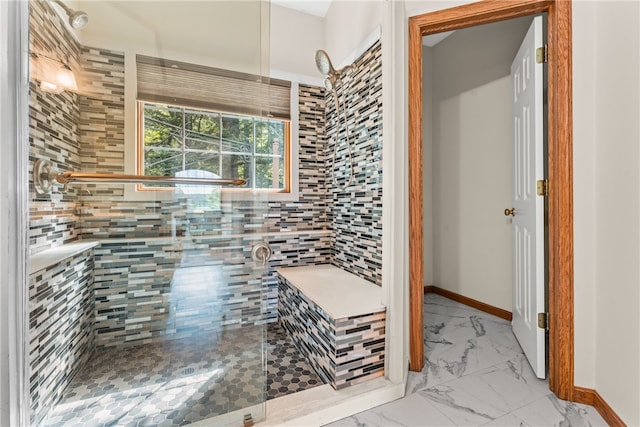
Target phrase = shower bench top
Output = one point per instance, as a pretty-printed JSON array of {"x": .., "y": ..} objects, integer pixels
[{"x": 340, "y": 293}]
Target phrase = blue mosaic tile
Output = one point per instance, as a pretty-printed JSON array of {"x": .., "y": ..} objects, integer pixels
[{"x": 343, "y": 351}]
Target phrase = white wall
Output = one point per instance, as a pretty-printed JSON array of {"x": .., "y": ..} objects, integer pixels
[
  {"x": 617, "y": 200},
  {"x": 584, "y": 161},
  {"x": 347, "y": 24},
  {"x": 607, "y": 202},
  {"x": 472, "y": 161},
  {"x": 223, "y": 34},
  {"x": 606, "y": 103},
  {"x": 295, "y": 37}
]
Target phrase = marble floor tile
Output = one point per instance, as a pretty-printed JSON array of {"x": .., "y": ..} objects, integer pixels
[
  {"x": 460, "y": 340},
  {"x": 551, "y": 411},
  {"x": 465, "y": 407},
  {"x": 508, "y": 420},
  {"x": 412, "y": 411},
  {"x": 475, "y": 375},
  {"x": 488, "y": 394}
]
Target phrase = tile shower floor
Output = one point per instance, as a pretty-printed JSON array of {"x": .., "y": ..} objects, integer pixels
[
  {"x": 177, "y": 382},
  {"x": 475, "y": 374}
]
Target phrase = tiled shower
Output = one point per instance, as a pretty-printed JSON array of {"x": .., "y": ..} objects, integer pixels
[{"x": 117, "y": 279}]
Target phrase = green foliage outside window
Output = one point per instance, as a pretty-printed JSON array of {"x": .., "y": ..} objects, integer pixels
[{"x": 230, "y": 146}]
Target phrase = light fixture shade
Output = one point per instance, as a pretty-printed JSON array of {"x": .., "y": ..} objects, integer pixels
[
  {"x": 50, "y": 87},
  {"x": 53, "y": 75},
  {"x": 66, "y": 79}
]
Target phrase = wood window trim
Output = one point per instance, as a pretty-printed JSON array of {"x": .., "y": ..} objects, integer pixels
[{"x": 560, "y": 171}]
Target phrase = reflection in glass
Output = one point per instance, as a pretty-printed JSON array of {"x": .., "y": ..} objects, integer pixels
[
  {"x": 161, "y": 322},
  {"x": 236, "y": 166},
  {"x": 209, "y": 162},
  {"x": 237, "y": 134},
  {"x": 270, "y": 137},
  {"x": 266, "y": 169}
]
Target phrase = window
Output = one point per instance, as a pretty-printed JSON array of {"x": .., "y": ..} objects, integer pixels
[
  {"x": 173, "y": 139},
  {"x": 195, "y": 120}
]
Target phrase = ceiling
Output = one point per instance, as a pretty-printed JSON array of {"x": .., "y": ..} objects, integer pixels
[
  {"x": 320, "y": 8},
  {"x": 313, "y": 7}
]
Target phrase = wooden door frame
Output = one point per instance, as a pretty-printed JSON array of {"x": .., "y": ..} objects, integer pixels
[{"x": 560, "y": 171}]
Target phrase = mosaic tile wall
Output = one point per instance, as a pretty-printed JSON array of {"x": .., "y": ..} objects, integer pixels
[
  {"x": 103, "y": 214},
  {"x": 311, "y": 211},
  {"x": 61, "y": 317},
  {"x": 51, "y": 224},
  {"x": 356, "y": 212},
  {"x": 147, "y": 289},
  {"x": 101, "y": 129},
  {"x": 343, "y": 351},
  {"x": 150, "y": 228},
  {"x": 53, "y": 127},
  {"x": 76, "y": 132}
]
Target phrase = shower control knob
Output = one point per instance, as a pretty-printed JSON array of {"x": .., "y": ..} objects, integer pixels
[{"x": 261, "y": 252}]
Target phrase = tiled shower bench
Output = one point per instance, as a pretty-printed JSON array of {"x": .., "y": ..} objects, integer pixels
[{"x": 337, "y": 321}]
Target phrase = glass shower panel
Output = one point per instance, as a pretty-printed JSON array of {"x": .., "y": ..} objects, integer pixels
[
  {"x": 145, "y": 304},
  {"x": 179, "y": 330}
]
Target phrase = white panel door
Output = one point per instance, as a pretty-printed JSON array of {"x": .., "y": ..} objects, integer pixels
[{"x": 528, "y": 214}]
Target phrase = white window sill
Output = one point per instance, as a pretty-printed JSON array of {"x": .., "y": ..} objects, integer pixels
[{"x": 260, "y": 195}]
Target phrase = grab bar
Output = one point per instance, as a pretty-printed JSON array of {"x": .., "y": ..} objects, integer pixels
[
  {"x": 45, "y": 174},
  {"x": 69, "y": 177}
]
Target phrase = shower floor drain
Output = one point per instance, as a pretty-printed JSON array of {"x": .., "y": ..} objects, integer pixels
[{"x": 188, "y": 371}]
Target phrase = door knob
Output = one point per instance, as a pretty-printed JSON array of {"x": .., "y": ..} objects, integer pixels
[{"x": 511, "y": 212}]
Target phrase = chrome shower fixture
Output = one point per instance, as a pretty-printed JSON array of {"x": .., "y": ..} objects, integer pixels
[
  {"x": 324, "y": 63},
  {"x": 77, "y": 18},
  {"x": 326, "y": 68},
  {"x": 333, "y": 79}
]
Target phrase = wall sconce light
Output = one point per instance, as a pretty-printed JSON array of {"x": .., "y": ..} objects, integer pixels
[{"x": 54, "y": 75}]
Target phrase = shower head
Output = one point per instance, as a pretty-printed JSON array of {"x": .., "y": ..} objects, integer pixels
[
  {"x": 324, "y": 63},
  {"x": 326, "y": 68},
  {"x": 77, "y": 18}
]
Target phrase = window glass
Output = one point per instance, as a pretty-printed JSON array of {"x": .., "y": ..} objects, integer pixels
[{"x": 175, "y": 139}]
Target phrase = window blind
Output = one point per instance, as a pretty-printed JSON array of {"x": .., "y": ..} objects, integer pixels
[{"x": 197, "y": 86}]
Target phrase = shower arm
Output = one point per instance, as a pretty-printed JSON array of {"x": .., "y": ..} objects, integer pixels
[
  {"x": 335, "y": 146},
  {"x": 45, "y": 175},
  {"x": 334, "y": 77},
  {"x": 66, "y": 8}
]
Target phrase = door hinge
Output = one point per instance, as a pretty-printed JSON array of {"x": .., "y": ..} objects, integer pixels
[
  {"x": 542, "y": 54},
  {"x": 543, "y": 321},
  {"x": 543, "y": 187}
]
